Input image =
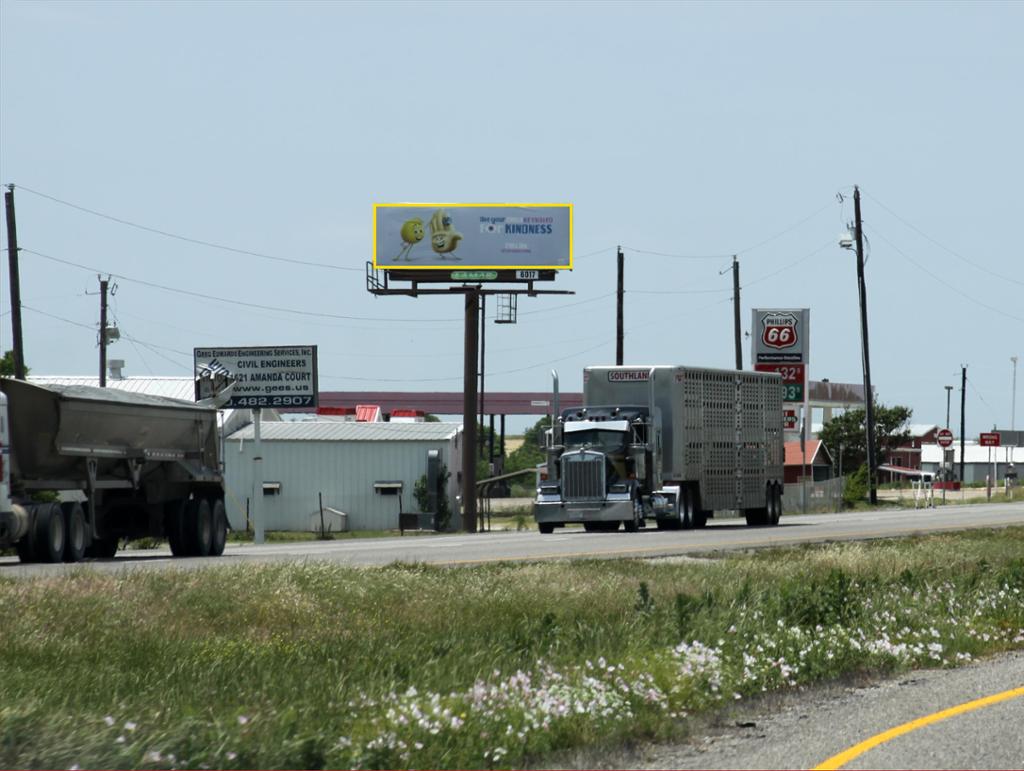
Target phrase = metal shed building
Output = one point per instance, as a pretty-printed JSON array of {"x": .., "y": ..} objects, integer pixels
[{"x": 366, "y": 470}]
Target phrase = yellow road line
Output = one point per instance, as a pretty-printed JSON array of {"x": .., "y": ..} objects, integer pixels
[{"x": 844, "y": 757}]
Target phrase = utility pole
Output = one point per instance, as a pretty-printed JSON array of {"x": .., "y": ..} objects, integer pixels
[
  {"x": 869, "y": 400},
  {"x": 963, "y": 421},
  {"x": 1013, "y": 396},
  {"x": 12, "y": 263},
  {"x": 104, "y": 283},
  {"x": 469, "y": 394},
  {"x": 736, "y": 310},
  {"x": 620, "y": 295},
  {"x": 949, "y": 390}
]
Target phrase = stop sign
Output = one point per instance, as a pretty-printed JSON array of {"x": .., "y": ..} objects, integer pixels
[{"x": 944, "y": 437}]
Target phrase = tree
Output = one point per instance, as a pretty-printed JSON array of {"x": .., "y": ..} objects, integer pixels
[
  {"x": 7, "y": 365},
  {"x": 847, "y": 434},
  {"x": 530, "y": 453}
]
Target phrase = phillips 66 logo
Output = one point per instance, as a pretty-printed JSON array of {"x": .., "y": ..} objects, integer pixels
[{"x": 779, "y": 330}]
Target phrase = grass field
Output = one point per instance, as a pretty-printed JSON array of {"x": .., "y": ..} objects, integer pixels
[{"x": 306, "y": 665}]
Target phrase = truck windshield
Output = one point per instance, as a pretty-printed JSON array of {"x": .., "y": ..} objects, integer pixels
[{"x": 596, "y": 439}]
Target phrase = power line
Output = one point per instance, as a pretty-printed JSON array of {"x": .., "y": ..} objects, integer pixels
[
  {"x": 945, "y": 283},
  {"x": 242, "y": 303},
  {"x": 567, "y": 305},
  {"x": 789, "y": 266},
  {"x": 187, "y": 239},
  {"x": 729, "y": 255},
  {"x": 90, "y": 327},
  {"x": 678, "y": 256},
  {"x": 787, "y": 230},
  {"x": 676, "y": 291},
  {"x": 943, "y": 247}
]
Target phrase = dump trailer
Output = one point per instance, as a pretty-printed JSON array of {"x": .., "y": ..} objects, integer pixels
[
  {"x": 670, "y": 443},
  {"x": 85, "y": 468}
]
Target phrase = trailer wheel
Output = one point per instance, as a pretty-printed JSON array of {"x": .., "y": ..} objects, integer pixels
[
  {"x": 686, "y": 510},
  {"x": 220, "y": 529},
  {"x": 50, "y": 532},
  {"x": 775, "y": 510},
  {"x": 74, "y": 531},
  {"x": 174, "y": 526},
  {"x": 546, "y": 528},
  {"x": 104, "y": 548},
  {"x": 700, "y": 516},
  {"x": 198, "y": 527}
]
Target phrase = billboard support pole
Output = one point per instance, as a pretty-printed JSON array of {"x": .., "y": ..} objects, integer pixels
[
  {"x": 257, "y": 474},
  {"x": 483, "y": 364},
  {"x": 469, "y": 395}
]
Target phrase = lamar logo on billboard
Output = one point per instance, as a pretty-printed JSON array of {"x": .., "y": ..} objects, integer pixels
[{"x": 779, "y": 330}]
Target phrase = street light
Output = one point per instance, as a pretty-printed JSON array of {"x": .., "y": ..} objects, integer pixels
[
  {"x": 949, "y": 390},
  {"x": 869, "y": 406}
]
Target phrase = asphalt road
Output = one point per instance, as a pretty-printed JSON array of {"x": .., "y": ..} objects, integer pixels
[
  {"x": 456, "y": 549},
  {"x": 804, "y": 730}
]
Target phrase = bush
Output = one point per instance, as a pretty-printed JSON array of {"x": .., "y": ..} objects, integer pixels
[
  {"x": 422, "y": 496},
  {"x": 856, "y": 487}
]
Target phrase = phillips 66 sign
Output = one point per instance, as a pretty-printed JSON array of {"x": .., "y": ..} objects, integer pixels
[{"x": 781, "y": 344}]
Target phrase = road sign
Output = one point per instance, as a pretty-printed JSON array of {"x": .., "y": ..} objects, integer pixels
[
  {"x": 989, "y": 439},
  {"x": 789, "y": 420},
  {"x": 944, "y": 437},
  {"x": 793, "y": 379},
  {"x": 280, "y": 376}
]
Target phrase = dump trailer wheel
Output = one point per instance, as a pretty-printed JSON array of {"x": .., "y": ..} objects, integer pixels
[
  {"x": 198, "y": 527},
  {"x": 50, "y": 533},
  {"x": 546, "y": 528},
  {"x": 74, "y": 531},
  {"x": 174, "y": 526},
  {"x": 220, "y": 528},
  {"x": 26, "y": 547}
]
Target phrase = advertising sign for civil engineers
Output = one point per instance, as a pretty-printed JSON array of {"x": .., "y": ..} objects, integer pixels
[
  {"x": 278, "y": 376},
  {"x": 463, "y": 236}
]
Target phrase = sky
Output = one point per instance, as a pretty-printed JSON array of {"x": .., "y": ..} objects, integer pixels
[{"x": 250, "y": 140}]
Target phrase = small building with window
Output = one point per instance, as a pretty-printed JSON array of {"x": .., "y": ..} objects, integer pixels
[
  {"x": 815, "y": 465},
  {"x": 364, "y": 473}
]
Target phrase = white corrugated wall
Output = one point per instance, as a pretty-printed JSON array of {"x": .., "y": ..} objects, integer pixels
[{"x": 343, "y": 471}]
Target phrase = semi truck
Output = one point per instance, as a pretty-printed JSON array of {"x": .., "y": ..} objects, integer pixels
[
  {"x": 675, "y": 444},
  {"x": 85, "y": 468}
]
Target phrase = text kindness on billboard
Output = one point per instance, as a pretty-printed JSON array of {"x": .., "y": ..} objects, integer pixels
[{"x": 447, "y": 236}]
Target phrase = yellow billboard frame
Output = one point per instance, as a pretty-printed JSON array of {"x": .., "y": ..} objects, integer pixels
[{"x": 378, "y": 266}]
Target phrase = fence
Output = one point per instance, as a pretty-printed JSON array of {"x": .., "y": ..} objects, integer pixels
[{"x": 820, "y": 496}]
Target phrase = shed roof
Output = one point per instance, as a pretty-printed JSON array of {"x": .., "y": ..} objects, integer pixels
[
  {"x": 336, "y": 431},
  {"x": 174, "y": 387},
  {"x": 794, "y": 457}
]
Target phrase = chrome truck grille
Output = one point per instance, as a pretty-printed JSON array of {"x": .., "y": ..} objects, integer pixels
[{"x": 583, "y": 476}]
